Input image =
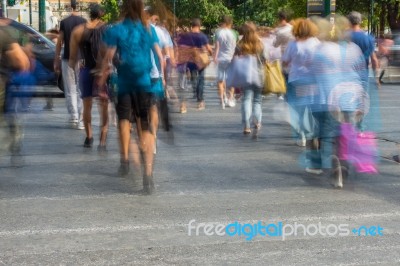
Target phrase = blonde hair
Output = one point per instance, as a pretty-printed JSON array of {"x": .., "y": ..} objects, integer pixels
[
  {"x": 304, "y": 29},
  {"x": 250, "y": 43}
]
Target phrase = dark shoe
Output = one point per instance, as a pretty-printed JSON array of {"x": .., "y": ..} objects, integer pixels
[
  {"x": 396, "y": 158},
  {"x": 88, "y": 143},
  {"x": 48, "y": 108},
  {"x": 148, "y": 185},
  {"x": 123, "y": 168}
]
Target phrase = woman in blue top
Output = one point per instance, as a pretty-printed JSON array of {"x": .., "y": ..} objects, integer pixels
[{"x": 132, "y": 40}]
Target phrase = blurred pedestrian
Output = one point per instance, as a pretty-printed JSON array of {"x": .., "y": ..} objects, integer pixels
[
  {"x": 52, "y": 34},
  {"x": 338, "y": 66},
  {"x": 198, "y": 40},
  {"x": 251, "y": 45},
  {"x": 132, "y": 41},
  {"x": 297, "y": 58},
  {"x": 268, "y": 38},
  {"x": 69, "y": 75},
  {"x": 384, "y": 45},
  {"x": 283, "y": 34},
  {"x": 87, "y": 40},
  {"x": 12, "y": 59},
  {"x": 365, "y": 41},
  {"x": 225, "y": 44}
]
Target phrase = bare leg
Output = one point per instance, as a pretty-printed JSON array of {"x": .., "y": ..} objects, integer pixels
[
  {"x": 221, "y": 93},
  {"x": 87, "y": 116},
  {"x": 103, "y": 111},
  {"x": 124, "y": 138}
]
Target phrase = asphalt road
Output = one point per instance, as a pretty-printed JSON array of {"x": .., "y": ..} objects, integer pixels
[{"x": 67, "y": 206}]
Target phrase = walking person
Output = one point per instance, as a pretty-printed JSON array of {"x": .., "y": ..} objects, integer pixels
[
  {"x": 251, "y": 44},
  {"x": 297, "y": 58},
  {"x": 132, "y": 40},
  {"x": 338, "y": 67},
  {"x": 69, "y": 74},
  {"x": 225, "y": 44},
  {"x": 12, "y": 58},
  {"x": 365, "y": 41},
  {"x": 87, "y": 38},
  {"x": 283, "y": 35},
  {"x": 198, "y": 40},
  {"x": 53, "y": 36}
]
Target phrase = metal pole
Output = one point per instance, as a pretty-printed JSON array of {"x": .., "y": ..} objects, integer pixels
[
  {"x": 4, "y": 8},
  {"x": 327, "y": 8},
  {"x": 30, "y": 13},
  {"x": 42, "y": 15},
  {"x": 372, "y": 16},
  {"x": 244, "y": 10}
]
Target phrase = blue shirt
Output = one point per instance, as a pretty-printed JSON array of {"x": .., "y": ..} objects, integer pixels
[
  {"x": 366, "y": 43},
  {"x": 125, "y": 36}
]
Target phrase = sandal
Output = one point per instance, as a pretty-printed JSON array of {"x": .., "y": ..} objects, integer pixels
[{"x": 247, "y": 131}]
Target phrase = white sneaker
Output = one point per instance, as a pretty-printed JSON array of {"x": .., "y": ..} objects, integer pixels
[
  {"x": 281, "y": 98},
  {"x": 314, "y": 171},
  {"x": 301, "y": 141},
  {"x": 79, "y": 125},
  {"x": 72, "y": 121}
]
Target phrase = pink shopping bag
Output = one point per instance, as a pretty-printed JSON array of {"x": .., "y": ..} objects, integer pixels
[{"x": 358, "y": 148}]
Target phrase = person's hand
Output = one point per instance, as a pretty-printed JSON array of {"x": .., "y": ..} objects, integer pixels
[{"x": 57, "y": 65}]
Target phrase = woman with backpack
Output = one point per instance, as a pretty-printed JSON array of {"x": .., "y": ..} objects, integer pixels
[
  {"x": 87, "y": 38},
  {"x": 132, "y": 40}
]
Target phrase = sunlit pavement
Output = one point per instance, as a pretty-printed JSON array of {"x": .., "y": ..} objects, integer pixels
[{"x": 65, "y": 205}]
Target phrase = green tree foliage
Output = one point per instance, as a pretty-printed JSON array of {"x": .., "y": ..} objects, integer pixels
[
  {"x": 111, "y": 9},
  {"x": 209, "y": 11},
  {"x": 263, "y": 12},
  {"x": 386, "y": 12}
]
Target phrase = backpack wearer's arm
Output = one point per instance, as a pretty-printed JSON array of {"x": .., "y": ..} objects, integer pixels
[
  {"x": 105, "y": 65},
  {"x": 74, "y": 46},
  {"x": 17, "y": 57}
]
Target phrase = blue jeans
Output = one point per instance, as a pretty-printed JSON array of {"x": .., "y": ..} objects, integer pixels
[
  {"x": 251, "y": 106},
  {"x": 197, "y": 79}
]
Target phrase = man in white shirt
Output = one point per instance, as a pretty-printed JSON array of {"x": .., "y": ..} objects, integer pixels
[
  {"x": 225, "y": 44},
  {"x": 283, "y": 35}
]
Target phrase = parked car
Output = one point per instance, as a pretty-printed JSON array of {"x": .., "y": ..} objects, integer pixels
[{"x": 44, "y": 52}]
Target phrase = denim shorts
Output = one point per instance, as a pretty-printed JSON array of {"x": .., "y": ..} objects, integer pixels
[
  {"x": 221, "y": 70},
  {"x": 86, "y": 82}
]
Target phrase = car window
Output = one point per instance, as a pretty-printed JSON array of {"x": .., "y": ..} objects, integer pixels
[{"x": 24, "y": 38}]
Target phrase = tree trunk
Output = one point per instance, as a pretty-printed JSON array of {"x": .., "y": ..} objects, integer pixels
[
  {"x": 393, "y": 16},
  {"x": 382, "y": 20}
]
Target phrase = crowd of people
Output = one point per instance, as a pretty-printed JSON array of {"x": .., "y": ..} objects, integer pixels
[{"x": 325, "y": 66}]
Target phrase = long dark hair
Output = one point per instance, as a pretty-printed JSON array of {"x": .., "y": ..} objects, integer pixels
[{"x": 133, "y": 9}]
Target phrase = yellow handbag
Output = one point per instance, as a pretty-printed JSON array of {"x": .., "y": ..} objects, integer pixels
[
  {"x": 274, "y": 79},
  {"x": 201, "y": 58}
]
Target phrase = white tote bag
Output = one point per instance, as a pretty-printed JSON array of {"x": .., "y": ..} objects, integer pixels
[{"x": 244, "y": 71}]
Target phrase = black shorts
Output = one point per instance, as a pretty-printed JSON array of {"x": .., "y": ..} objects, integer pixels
[{"x": 135, "y": 107}]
